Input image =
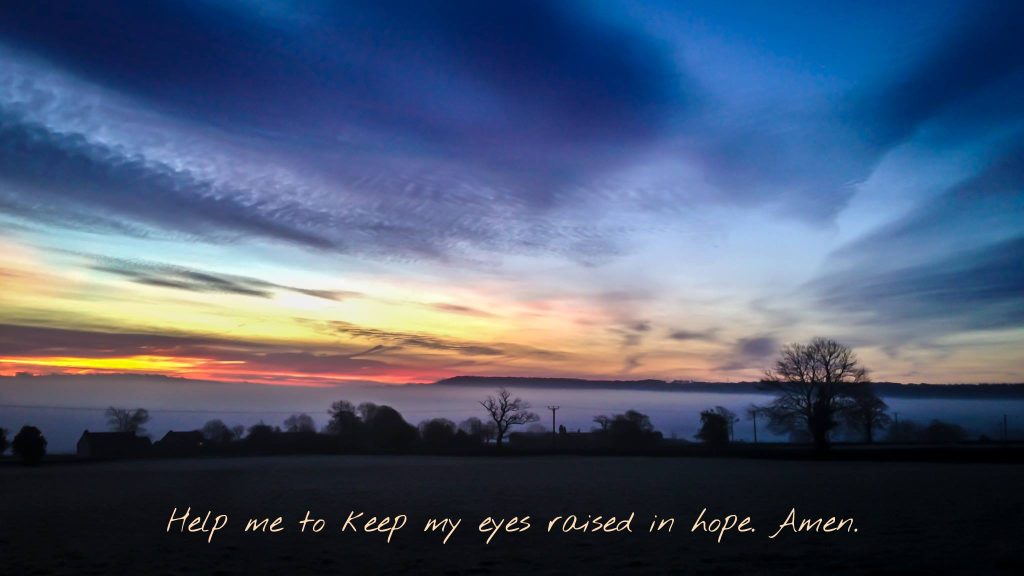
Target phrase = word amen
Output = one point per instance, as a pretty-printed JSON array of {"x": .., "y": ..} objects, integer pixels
[
  {"x": 198, "y": 523},
  {"x": 833, "y": 524},
  {"x": 721, "y": 526}
]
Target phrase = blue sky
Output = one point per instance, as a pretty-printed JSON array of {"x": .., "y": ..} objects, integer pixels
[{"x": 317, "y": 192}]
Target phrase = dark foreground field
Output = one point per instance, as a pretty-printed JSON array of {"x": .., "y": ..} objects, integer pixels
[{"x": 910, "y": 517}]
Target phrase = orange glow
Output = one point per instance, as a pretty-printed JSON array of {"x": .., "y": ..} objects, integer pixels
[
  {"x": 126, "y": 364},
  {"x": 205, "y": 369}
]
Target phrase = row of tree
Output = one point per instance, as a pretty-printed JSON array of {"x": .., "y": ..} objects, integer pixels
[{"x": 816, "y": 386}]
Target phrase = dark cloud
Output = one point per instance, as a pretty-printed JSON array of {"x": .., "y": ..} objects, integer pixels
[
  {"x": 950, "y": 264},
  {"x": 702, "y": 335},
  {"x": 994, "y": 196},
  {"x": 971, "y": 290},
  {"x": 807, "y": 163},
  {"x": 192, "y": 280},
  {"x": 69, "y": 175},
  {"x": 20, "y": 340},
  {"x": 40, "y": 341},
  {"x": 631, "y": 332},
  {"x": 459, "y": 309},
  {"x": 751, "y": 353},
  {"x": 439, "y": 343},
  {"x": 512, "y": 85},
  {"x": 984, "y": 48}
]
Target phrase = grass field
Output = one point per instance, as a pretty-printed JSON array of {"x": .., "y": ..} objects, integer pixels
[{"x": 111, "y": 518}]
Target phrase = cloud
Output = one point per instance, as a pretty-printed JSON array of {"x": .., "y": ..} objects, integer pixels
[
  {"x": 950, "y": 264},
  {"x": 69, "y": 175},
  {"x": 703, "y": 335},
  {"x": 459, "y": 309},
  {"x": 978, "y": 289},
  {"x": 984, "y": 48},
  {"x": 210, "y": 354},
  {"x": 510, "y": 86},
  {"x": 192, "y": 280},
  {"x": 631, "y": 332},
  {"x": 439, "y": 343},
  {"x": 751, "y": 353}
]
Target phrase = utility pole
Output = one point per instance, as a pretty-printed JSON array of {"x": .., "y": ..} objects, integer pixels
[
  {"x": 553, "y": 410},
  {"x": 1006, "y": 430},
  {"x": 754, "y": 415}
]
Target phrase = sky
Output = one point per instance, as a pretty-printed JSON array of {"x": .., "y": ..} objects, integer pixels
[{"x": 319, "y": 193}]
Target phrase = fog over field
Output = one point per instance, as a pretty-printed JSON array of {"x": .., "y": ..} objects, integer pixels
[{"x": 74, "y": 404}]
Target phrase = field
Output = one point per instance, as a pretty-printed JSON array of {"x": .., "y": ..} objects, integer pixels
[{"x": 111, "y": 518}]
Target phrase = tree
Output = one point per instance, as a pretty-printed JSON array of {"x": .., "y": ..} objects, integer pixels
[
  {"x": 939, "y": 432},
  {"x": 437, "y": 432},
  {"x": 629, "y": 430},
  {"x": 217, "y": 432},
  {"x": 728, "y": 416},
  {"x": 345, "y": 425},
  {"x": 3, "y": 441},
  {"x": 715, "y": 425},
  {"x": 603, "y": 421},
  {"x": 477, "y": 429},
  {"x": 866, "y": 412},
  {"x": 813, "y": 385},
  {"x": 506, "y": 412},
  {"x": 301, "y": 423},
  {"x": 261, "y": 437},
  {"x": 126, "y": 420},
  {"x": 30, "y": 445},
  {"x": 387, "y": 430}
]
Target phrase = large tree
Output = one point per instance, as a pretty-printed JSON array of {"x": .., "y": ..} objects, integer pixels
[
  {"x": 867, "y": 413},
  {"x": 507, "y": 412},
  {"x": 814, "y": 386},
  {"x": 300, "y": 423},
  {"x": 126, "y": 420},
  {"x": 30, "y": 445}
]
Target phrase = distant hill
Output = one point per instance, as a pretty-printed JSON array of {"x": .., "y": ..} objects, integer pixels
[{"x": 887, "y": 389}]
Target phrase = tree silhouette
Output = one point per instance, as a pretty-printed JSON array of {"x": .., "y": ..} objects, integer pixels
[
  {"x": 477, "y": 429},
  {"x": 30, "y": 445},
  {"x": 437, "y": 432},
  {"x": 3, "y": 441},
  {"x": 716, "y": 426},
  {"x": 126, "y": 420},
  {"x": 866, "y": 412},
  {"x": 506, "y": 412},
  {"x": 344, "y": 424},
  {"x": 301, "y": 423},
  {"x": 813, "y": 385},
  {"x": 387, "y": 430},
  {"x": 631, "y": 429},
  {"x": 217, "y": 432}
]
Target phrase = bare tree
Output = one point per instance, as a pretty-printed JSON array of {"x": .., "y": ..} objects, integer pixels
[
  {"x": 126, "y": 420},
  {"x": 814, "y": 385},
  {"x": 866, "y": 413},
  {"x": 603, "y": 420},
  {"x": 506, "y": 412}
]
